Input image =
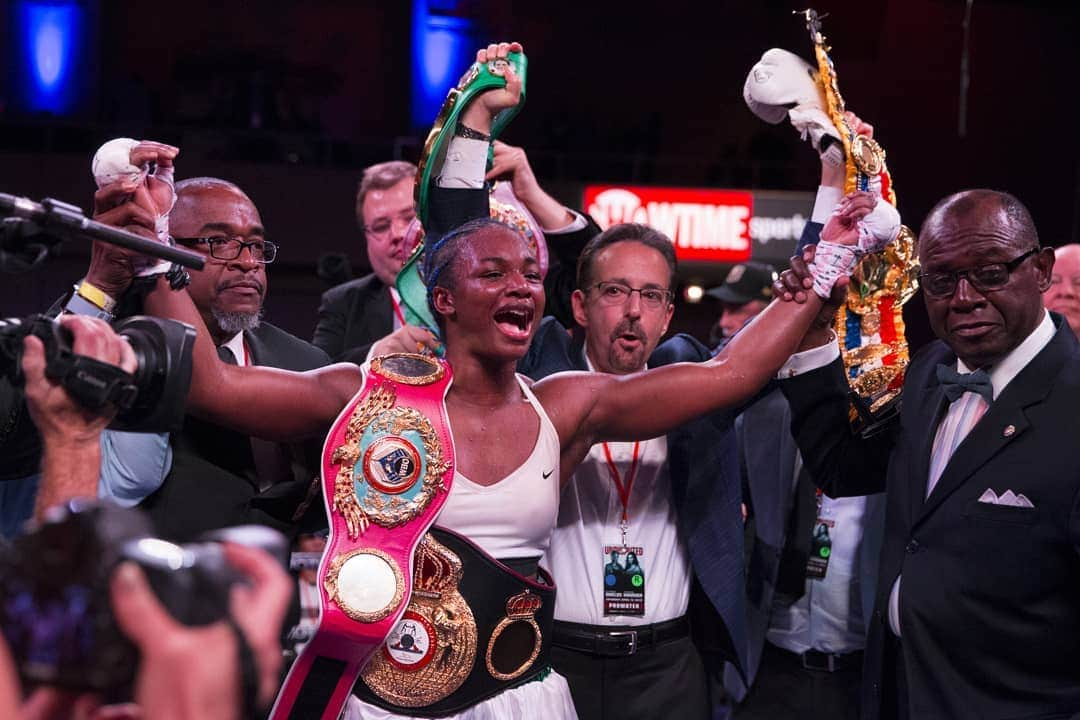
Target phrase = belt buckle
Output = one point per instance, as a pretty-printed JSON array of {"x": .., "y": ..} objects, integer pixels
[
  {"x": 829, "y": 665},
  {"x": 631, "y": 635}
]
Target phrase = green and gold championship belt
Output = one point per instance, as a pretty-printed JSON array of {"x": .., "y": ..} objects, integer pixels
[
  {"x": 870, "y": 326},
  {"x": 477, "y": 79}
]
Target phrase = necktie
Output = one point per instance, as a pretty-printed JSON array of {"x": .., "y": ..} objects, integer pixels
[{"x": 956, "y": 384}]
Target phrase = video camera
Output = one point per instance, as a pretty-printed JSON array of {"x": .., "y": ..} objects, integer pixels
[
  {"x": 55, "y": 608},
  {"x": 152, "y": 400},
  {"x": 149, "y": 400}
]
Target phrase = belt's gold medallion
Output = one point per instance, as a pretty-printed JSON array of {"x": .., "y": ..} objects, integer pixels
[
  {"x": 868, "y": 156},
  {"x": 431, "y": 651},
  {"x": 515, "y": 642},
  {"x": 391, "y": 463}
]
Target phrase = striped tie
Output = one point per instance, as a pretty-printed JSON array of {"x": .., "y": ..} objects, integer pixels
[{"x": 962, "y": 416}]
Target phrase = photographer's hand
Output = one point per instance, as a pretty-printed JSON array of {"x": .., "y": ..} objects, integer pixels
[
  {"x": 70, "y": 433},
  {"x": 259, "y": 608},
  {"x": 183, "y": 672},
  {"x": 195, "y": 672}
]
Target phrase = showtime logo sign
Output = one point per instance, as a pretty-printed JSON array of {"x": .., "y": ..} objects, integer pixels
[{"x": 705, "y": 225}]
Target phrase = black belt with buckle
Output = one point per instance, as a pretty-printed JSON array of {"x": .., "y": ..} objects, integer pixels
[
  {"x": 822, "y": 661},
  {"x": 616, "y": 641}
]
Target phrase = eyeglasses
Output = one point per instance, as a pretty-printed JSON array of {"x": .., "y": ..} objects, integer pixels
[
  {"x": 984, "y": 278},
  {"x": 384, "y": 225},
  {"x": 225, "y": 248},
  {"x": 616, "y": 293}
]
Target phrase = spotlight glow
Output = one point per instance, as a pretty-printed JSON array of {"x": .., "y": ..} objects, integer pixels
[
  {"x": 49, "y": 34},
  {"x": 440, "y": 52}
]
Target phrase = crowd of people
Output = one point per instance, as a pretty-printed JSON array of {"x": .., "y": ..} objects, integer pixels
[{"x": 718, "y": 540}]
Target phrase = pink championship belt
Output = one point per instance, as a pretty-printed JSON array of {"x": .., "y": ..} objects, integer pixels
[{"x": 388, "y": 464}]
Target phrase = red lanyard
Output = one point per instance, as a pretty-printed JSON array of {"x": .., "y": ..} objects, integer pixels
[
  {"x": 397, "y": 307},
  {"x": 624, "y": 490}
]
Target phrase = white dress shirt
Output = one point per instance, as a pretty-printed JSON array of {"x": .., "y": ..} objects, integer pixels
[
  {"x": 236, "y": 347},
  {"x": 828, "y": 618},
  {"x": 590, "y": 512}
]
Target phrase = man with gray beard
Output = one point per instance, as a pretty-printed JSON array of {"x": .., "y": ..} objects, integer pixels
[{"x": 217, "y": 477}]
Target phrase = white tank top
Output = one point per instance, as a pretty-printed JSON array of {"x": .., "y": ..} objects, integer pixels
[{"x": 514, "y": 517}]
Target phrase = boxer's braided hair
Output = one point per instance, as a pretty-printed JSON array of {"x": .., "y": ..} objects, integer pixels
[{"x": 440, "y": 255}]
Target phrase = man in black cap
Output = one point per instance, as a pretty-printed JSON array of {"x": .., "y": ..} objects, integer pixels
[{"x": 746, "y": 291}]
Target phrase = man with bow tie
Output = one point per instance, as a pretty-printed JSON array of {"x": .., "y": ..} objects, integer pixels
[{"x": 977, "y": 607}]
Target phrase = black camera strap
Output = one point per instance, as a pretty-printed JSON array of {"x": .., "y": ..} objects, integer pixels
[{"x": 249, "y": 676}]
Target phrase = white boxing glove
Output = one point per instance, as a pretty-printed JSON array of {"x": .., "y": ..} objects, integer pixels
[
  {"x": 782, "y": 83},
  {"x": 780, "y": 80}
]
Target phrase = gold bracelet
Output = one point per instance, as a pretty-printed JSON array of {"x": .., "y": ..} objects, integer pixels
[{"x": 95, "y": 295}]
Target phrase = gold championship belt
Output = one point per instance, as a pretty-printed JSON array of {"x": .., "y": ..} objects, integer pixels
[
  {"x": 870, "y": 326},
  {"x": 473, "y": 628},
  {"x": 431, "y": 651}
]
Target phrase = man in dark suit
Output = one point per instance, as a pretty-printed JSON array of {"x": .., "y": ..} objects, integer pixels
[
  {"x": 682, "y": 509},
  {"x": 977, "y": 608},
  {"x": 355, "y": 314},
  {"x": 216, "y": 477}
]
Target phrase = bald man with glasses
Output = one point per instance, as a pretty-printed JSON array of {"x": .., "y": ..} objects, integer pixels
[
  {"x": 207, "y": 477},
  {"x": 977, "y": 604}
]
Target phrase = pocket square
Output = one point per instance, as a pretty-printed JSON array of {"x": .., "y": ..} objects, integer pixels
[{"x": 1008, "y": 498}]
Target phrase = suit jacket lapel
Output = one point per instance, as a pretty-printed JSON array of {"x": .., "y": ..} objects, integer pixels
[
  {"x": 376, "y": 311},
  {"x": 931, "y": 411},
  {"x": 1004, "y": 421},
  {"x": 256, "y": 347}
]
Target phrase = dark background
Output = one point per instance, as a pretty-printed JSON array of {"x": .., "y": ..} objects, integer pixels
[{"x": 292, "y": 100}]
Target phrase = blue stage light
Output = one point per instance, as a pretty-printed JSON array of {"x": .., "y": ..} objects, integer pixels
[
  {"x": 441, "y": 44},
  {"x": 50, "y": 38}
]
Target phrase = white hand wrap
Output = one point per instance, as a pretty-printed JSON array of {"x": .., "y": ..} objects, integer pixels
[
  {"x": 879, "y": 228},
  {"x": 830, "y": 262},
  {"x": 111, "y": 164}
]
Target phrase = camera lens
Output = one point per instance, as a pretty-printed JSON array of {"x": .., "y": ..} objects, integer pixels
[{"x": 163, "y": 350}]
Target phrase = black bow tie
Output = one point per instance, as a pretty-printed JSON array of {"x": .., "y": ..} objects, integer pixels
[{"x": 954, "y": 384}]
